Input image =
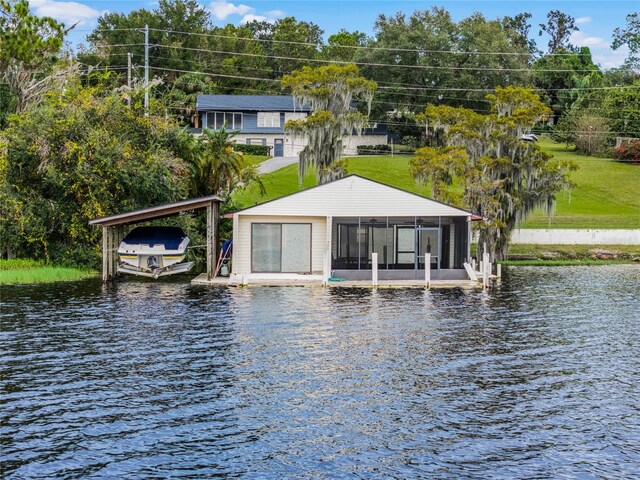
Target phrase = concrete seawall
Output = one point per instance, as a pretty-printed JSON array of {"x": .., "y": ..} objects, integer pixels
[{"x": 576, "y": 237}]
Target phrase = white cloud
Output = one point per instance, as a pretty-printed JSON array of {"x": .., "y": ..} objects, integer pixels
[
  {"x": 581, "y": 20},
  {"x": 581, "y": 40},
  {"x": 223, "y": 9},
  {"x": 250, "y": 17},
  {"x": 275, "y": 13},
  {"x": 611, "y": 58},
  {"x": 67, "y": 12}
]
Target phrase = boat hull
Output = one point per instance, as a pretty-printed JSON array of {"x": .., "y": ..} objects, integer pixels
[
  {"x": 171, "y": 270},
  {"x": 154, "y": 252}
]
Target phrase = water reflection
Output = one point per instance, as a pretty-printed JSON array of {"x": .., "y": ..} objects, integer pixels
[{"x": 536, "y": 378}]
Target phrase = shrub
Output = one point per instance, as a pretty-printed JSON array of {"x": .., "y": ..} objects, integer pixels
[
  {"x": 383, "y": 149},
  {"x": 628, "y": 152},
  {"x": 251, "y": 149},
  {"x": 373, "y": 149}
]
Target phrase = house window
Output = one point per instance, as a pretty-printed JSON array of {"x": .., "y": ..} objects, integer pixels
[
  {"x": 231, "y": 120},
  {"x": 269, "y": 119},
  {"x": 256, "y": 141},
  {"x": 281, "y": 247}
]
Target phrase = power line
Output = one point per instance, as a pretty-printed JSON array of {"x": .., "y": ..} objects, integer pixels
[
  {"x": 440, "y": 97},
  {"x": 390, "y": 84},
  {"x": 353, "y": 47},
  {"x": 405, "y": 86},
  {"x": 216, "y": 74},
  {"x": 371, "y": 64},
  {"x": 269, "y": 70},
  {"x": 123, "y": 45},
  {"x": 378, "y": 102},
  {"x": 268, "y": 57}
]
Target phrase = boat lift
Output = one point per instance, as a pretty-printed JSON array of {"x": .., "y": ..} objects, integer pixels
[{"x": 113, "y": 229}]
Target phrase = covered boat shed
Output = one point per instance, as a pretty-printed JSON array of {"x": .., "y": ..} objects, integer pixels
[{"x": 113, "y": 229}]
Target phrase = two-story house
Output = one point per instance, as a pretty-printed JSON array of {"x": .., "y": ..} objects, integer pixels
[{"x": 260, "y": 120}]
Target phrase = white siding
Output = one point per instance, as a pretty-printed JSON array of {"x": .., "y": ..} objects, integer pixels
[
  {"x": 354, "y": 196},
  {"x": 241, "y": 264}
]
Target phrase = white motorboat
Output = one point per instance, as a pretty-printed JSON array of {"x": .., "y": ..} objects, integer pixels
[{"x": 154, "y": 252}]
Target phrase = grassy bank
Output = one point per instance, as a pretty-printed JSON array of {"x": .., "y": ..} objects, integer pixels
[
  {"x": 383, "y": 168},
  {"x": 22, "y": 271},
  {"x": 558, "y": 255},
  {"x": 605, "y": 195},
  {"x": 255, "y": 159}
]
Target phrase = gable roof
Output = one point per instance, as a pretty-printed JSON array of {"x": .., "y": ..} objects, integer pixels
[
  {"x": 355, "y": 196},
  {"x": 260, "y": 103}
]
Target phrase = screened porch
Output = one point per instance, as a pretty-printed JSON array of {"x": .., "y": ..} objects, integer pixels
[{"x": 401, "y": 244}]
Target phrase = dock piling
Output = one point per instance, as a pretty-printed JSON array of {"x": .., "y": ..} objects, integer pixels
[
  {"x": 427, "y": 270},
  {"x": 486, "y": 269},
  {"x": 374, "y": 269}
]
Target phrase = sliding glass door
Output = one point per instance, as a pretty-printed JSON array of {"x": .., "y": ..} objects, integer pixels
[{"x": 281, "y": 247}]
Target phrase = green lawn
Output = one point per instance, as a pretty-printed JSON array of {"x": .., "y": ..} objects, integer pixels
[
  {"x": 606, "y": 193},
  {"x": 383, "y": 168},
  {"x": 22, "y": 271},
  {"x": 255, "y": 159}
]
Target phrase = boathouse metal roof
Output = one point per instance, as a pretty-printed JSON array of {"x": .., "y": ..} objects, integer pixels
[{"x": 157, "y": 212}]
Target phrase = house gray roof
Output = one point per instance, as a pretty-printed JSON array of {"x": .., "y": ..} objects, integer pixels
[{"x": 257, "y": 103}]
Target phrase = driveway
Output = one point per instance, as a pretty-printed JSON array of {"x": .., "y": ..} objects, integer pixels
[{"x": 276, "y": 163}]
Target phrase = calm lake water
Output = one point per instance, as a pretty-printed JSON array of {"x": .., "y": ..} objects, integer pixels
[{"x": 538, "y": 378}]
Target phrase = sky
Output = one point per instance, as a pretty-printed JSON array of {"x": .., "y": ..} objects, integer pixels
[{"x": 595, "y": 18}]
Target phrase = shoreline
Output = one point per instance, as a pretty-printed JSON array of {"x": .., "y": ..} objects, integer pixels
[
  {"x": 28, "y": 272},
  {"x": 570, "y": 255}
]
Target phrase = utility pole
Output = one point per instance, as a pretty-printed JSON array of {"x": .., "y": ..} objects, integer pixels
[
  {"x": 129, "y": 79},
  {"x": 146, "y": 70}
]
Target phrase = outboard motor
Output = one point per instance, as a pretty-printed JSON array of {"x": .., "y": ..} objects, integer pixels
[{"x": 152, "y": 263}]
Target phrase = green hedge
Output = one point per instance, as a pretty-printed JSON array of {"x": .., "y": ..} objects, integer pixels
[
  {"x": 383, "y": 149},
  {"x": 373, "y": 149},
  {"x": 251, "y": 149}
]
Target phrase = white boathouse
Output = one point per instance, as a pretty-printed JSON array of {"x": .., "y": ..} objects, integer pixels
[{"x": 338, "y": 228}]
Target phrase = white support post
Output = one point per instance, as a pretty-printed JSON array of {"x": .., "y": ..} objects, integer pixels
[
  {"x": 486, "y": 270},
  {"x": 473, "y": 264},
  {"x": 499, "y": 270},
  {"x": 326, "y": 274},
  {"x": 374, "y": 269},
  {"x": 326, "y": 269},
  {"x": 427, "y": 269}
]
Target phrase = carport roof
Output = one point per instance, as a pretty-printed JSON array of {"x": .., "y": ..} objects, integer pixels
[{"x": 157, "y": 212}]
